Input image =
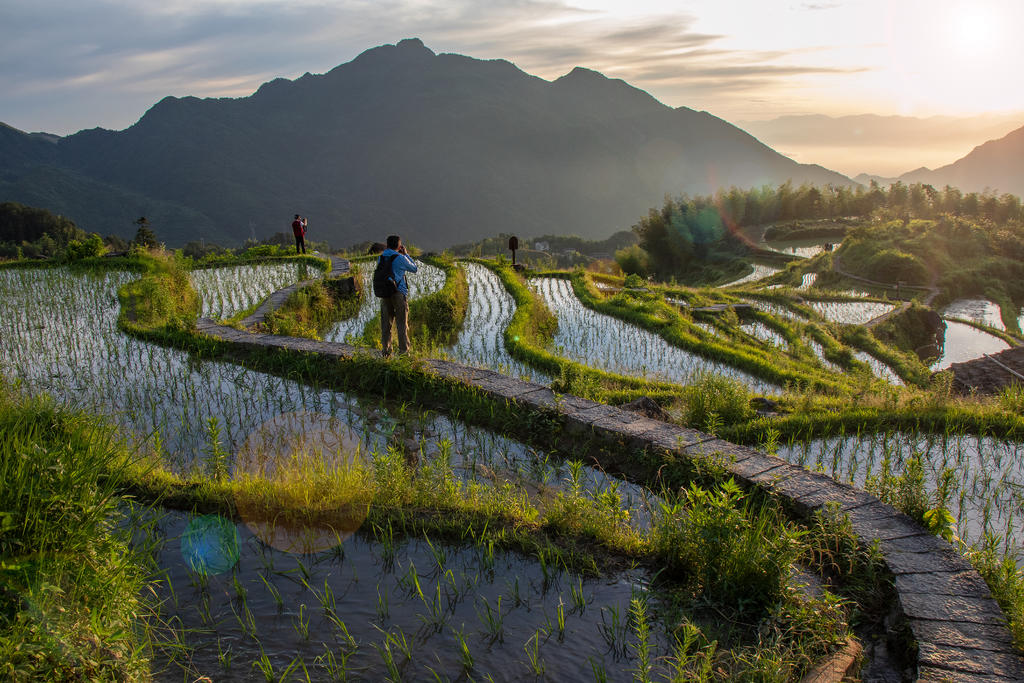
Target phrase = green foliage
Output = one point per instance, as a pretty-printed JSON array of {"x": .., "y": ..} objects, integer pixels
[
  {"x": 1005, "y": 579},
  {"x": 905, "y": 491},
  {"x": 439, "y": 316},
  {"x": 71, "y": 583},
  {"x": 77, "y": 250},
  {"x": 634, "y": 261},
  {"x": 914, "y": 328},
  {"x": 859, "y": 571},
  {"x": 20, "y": 223},
  {"x": 711, "y": 396},
  {"x": 313, "y": 308},
  {"x": 144, "y": 236},
  {"x": 684, "y": 235},
  {"x": 1011, "y": 399},
  {"x": 633, "y": 280},
  {"x": 722, "y": 544},
  {"x": 875, "y": 261},
  {"x": 163, "y": 297}
]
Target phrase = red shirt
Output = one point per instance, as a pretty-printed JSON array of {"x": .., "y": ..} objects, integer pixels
[{"x": 297, "y": 228}]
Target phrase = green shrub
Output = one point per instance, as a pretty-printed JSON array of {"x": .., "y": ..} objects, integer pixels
[
  {"x": 634, "y": 261},
  {"x": 720, "y": 543},
  {"x": 893, "y": 265},
  {"x": 164, "y": 296},
  {"x": 710, "y": 396},
  {"x": 905, "y": 492},
  {"x": 89, "y": 248}
]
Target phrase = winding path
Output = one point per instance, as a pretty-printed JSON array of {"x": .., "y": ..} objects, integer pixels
[
  {"x": 339, "y": 267},
  {"x": 931, "y": 288}
]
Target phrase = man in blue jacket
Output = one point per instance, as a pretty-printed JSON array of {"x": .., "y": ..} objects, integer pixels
[{"x": 396, "y": 307}]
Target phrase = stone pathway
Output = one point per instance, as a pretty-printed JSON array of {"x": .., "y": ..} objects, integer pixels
[
  {"x": 960, "y": 630},
  {"x": 339, "y": 267}
]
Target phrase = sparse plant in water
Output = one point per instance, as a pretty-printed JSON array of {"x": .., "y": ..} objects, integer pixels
[
  {"x": 532, "y": 649},
  {"x": 642, "y": 631}
]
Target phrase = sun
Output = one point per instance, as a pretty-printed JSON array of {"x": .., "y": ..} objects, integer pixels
[{"x": 975, "y": 30}]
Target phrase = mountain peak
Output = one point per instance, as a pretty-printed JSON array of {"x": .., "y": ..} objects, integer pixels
[
  {"x": 413, "y": 44},
  {"x": 580, "y": 73},
  {"x": 407, "y": 50}
]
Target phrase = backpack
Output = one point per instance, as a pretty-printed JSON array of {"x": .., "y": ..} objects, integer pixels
[{"x": 383, "y": 278}]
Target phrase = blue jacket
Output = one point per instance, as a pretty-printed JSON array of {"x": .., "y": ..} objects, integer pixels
[{"x": 399, "y": 267}]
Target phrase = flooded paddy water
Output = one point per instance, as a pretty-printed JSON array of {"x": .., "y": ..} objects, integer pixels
[
  {"x": 981, "y": 311},
  {"x": 760, "y": 272},
  {"x": 376, "y": 605},
  {"x": 481, "y": 342},
  {"x": 850, "y": 312},
  {"x": 807, "y": 248},
  {"x": 962, "y": 343},
  {"x": 372, "y": 605},
  {"x": 247, "y": 608}
]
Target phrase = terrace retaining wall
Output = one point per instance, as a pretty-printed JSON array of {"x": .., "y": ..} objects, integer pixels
[{"x": 960, "y": 631}]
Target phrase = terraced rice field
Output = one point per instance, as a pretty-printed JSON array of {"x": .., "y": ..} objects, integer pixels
[{"x": 612, "y": 345}]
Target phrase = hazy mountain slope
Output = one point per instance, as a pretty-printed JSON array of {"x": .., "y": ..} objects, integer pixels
[
  {"x": 442, "y": 148},
  {"x": 996, "y": 165},
  {"x": 880, "y": 146}
]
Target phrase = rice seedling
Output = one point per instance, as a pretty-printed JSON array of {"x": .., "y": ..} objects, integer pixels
[
  {"x": 465, "y": 656},
  {"x": 481, "y": 341},
  {"x": 492, "y": 619},
  {"x": 228, "y": 290},
  {"x": 532, "y": 649},
  {"x": 301, "y": 623}
]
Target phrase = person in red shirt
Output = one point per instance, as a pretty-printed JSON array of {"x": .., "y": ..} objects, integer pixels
[{"x": 299, "y": 230}]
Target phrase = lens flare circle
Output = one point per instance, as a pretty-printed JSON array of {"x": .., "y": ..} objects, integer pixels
[
  {"x": 209, "y": 544},
  {"x": 300, "y": 476}
]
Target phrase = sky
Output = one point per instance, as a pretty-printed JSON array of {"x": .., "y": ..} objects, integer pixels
[{"x": 66, "y": 65}]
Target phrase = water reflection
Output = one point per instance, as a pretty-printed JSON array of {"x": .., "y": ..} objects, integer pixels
[
  {"x": 981, "y": 311},
  {"x": 963, "y": 343}
]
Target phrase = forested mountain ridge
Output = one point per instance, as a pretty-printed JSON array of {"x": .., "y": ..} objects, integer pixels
[{"x": 439, "y": 147}]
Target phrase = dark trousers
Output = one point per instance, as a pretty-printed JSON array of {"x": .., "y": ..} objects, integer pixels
[
  {"x": 394, "y": 308},
  {"x": 300, "y": 244}
]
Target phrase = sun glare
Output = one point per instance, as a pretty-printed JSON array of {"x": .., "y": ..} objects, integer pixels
[{"x": 974, "y": 30}]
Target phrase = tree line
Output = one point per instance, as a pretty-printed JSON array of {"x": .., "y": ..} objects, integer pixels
[{"x": 692, "y": 232}]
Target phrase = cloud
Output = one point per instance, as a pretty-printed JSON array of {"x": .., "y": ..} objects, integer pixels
[
  {"x": 61, "y": 60},
  {"x": 813, "y": 6}
]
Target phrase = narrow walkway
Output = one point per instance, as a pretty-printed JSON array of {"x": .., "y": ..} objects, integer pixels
[
  {"x": 931, "y": 288},
  {"x": 959, "y": 629},
  {"x": 339, "y": 267}
]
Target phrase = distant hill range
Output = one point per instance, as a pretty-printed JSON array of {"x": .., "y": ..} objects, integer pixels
[
  {"x": 440, "y": 148},
  {"x": 997, "y": 165}
]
